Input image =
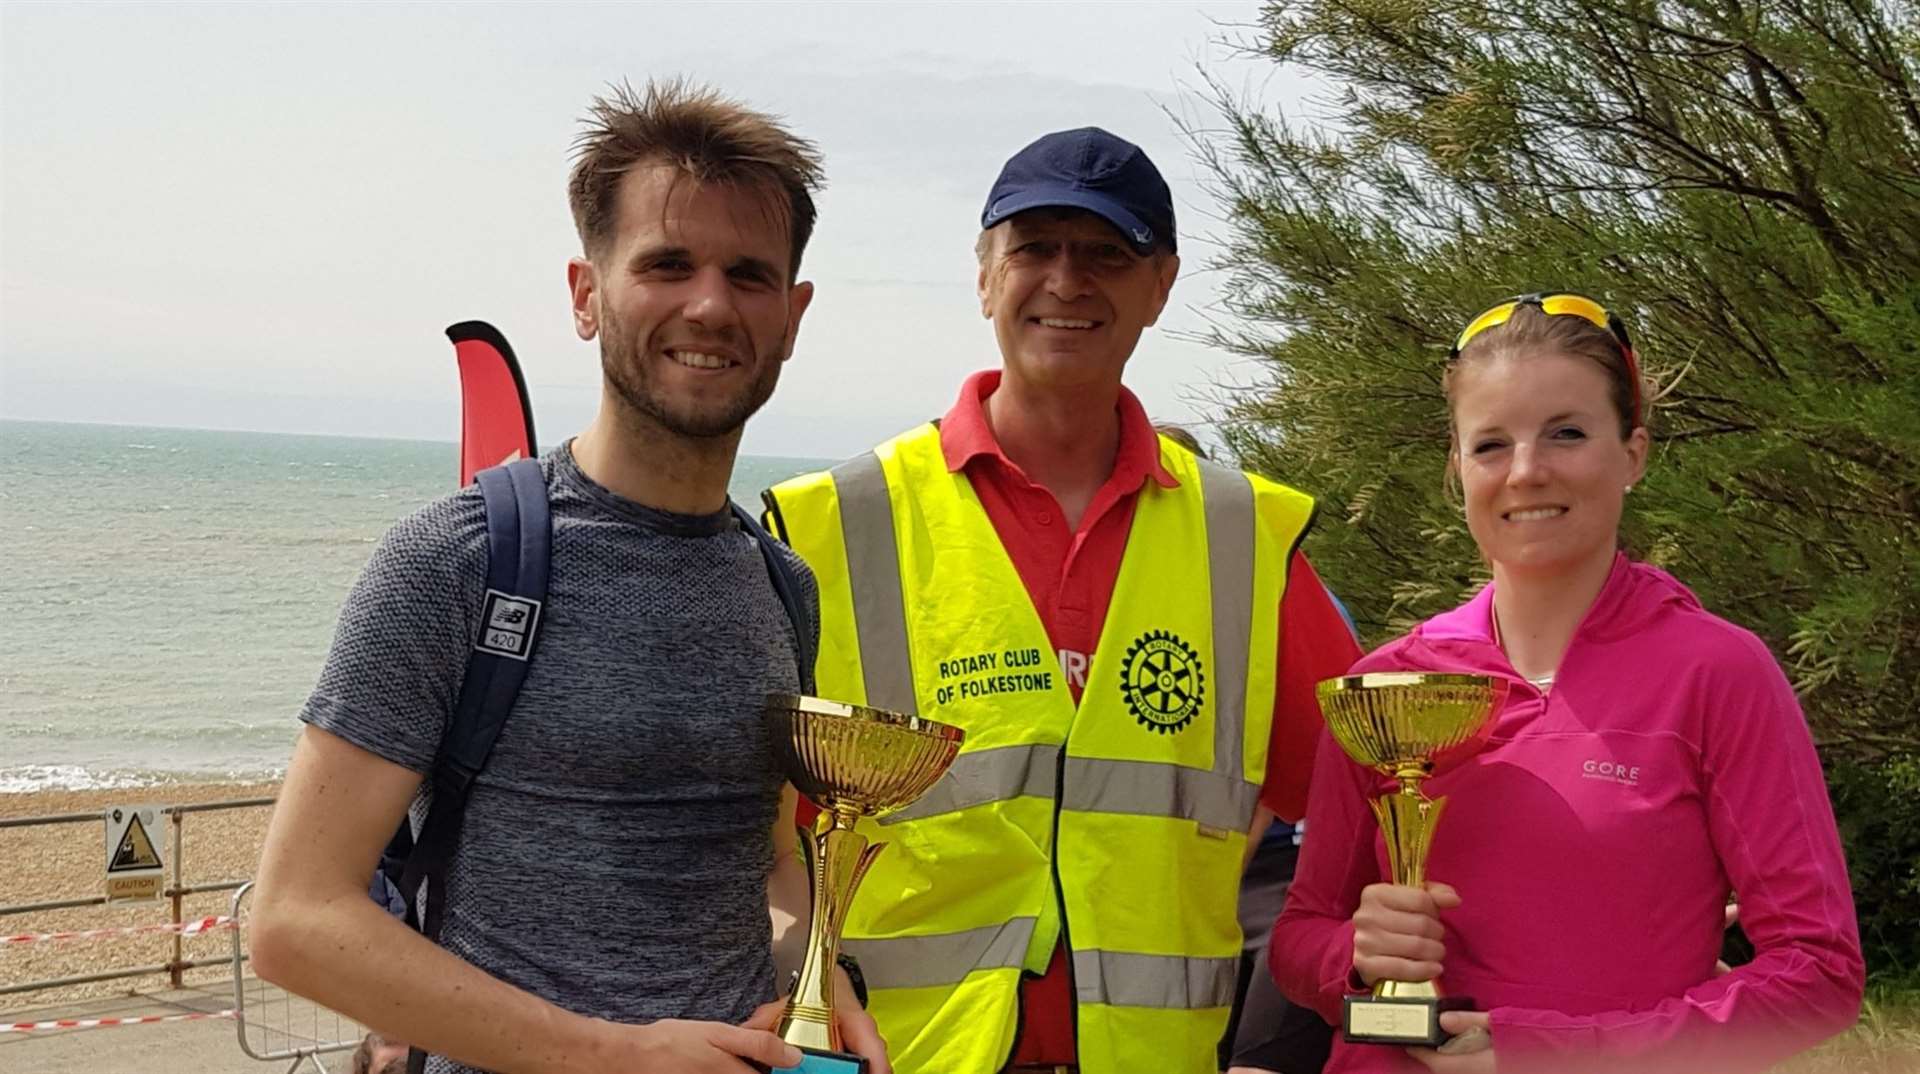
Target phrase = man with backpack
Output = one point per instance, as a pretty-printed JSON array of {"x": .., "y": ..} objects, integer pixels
[{"x": 598, "y": 860}]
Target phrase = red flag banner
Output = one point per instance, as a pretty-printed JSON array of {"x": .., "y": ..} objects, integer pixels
[{"x": 496, "y": 419}]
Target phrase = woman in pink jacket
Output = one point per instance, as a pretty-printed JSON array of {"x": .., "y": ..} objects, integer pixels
[{"x": 1650, "y": 758}]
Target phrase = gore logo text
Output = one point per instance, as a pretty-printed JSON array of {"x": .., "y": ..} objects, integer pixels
[{"x": 1614, "y": 771}]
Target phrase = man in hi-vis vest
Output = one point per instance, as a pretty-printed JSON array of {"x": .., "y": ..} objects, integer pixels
[{"x": 1126, "y": 632}]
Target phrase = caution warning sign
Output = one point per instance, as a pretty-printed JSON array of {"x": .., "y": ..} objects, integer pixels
[{"x": 134, "y": 867}]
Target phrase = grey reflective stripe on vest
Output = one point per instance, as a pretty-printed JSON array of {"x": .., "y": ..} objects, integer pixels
[
  {"x": 943, "y": 959},
  {"x": 994, "y": 775},
  {"x": 1230, "y": 538},
  {"x": 873, "y": 572},
  {"x": 1093, "y": 785},
  {"x": 1122, "y": 979},
  {"x": 1143, "y": 788}
]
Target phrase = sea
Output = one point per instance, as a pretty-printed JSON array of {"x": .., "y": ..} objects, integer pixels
[{"x": 172, "y": 592}]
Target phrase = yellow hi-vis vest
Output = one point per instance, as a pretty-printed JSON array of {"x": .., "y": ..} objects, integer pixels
[{"x": 1118, "y": 825}]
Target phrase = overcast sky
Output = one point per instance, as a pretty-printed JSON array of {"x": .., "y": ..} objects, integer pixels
[{"x": 262, "y": 216}]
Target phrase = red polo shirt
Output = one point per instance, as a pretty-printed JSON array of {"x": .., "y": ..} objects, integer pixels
[{"x": 1069, "y": 574}]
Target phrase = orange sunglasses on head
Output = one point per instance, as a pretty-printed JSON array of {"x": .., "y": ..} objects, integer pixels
[{"x": 1555, "y": 305}]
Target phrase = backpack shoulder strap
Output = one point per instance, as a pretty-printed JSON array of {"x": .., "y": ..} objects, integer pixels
[
  {"x": 519, "y": 551},
  {"x": 786, "y": 585}
]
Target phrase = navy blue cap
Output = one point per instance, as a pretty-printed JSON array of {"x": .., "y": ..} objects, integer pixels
[{"x": 1093, "y": 170}]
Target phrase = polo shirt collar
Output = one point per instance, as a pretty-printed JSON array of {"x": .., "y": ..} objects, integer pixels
[{"x": 966, "y": 436}]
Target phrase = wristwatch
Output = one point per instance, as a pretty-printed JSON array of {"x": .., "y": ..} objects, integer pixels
[{"x": 854, "y": 976}]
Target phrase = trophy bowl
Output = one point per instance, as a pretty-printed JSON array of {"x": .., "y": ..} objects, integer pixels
[
  {"x": 1392, "y": 721},
  {"x": 850, "y": 757}
]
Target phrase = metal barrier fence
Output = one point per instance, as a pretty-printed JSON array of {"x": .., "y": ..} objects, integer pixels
[
  {"x": 275, "y": 1025},
  {"x": 175, "y": 893}
]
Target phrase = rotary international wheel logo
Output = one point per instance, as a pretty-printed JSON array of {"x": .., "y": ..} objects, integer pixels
[{"x": 1162, "y": 681}]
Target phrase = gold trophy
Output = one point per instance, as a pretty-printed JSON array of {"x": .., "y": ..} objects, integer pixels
[
  {"x": 853, "y": 762},
  {"x": 1397, "y": 723}
]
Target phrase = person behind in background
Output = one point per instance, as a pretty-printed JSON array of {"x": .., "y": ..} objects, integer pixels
[
  {"x": 1649, "y": 757},
  {"x": 607, "y": 906},
  {"x": 1125, "y": 631},
  {"x": 376, "y": 1054},
  {"x": 1271, "y": 1033},
  {"x": 1180, "y": 435}
]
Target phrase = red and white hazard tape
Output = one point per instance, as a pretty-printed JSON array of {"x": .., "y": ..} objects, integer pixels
[
  {"x": 184, "y": 928},
  {"x": 101, "y": 1023}
]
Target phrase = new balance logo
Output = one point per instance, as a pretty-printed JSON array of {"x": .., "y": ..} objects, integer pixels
[{"x": 507, "y": 624}]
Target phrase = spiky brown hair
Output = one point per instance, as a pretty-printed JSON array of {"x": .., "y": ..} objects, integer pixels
[{"x": 705, "y": 136}]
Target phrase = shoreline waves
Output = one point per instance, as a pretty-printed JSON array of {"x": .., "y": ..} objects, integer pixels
[{"x": 36, "y": 778}]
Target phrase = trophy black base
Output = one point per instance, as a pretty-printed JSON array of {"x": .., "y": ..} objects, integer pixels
[
  {"x": 1407, "y": 1022},
  {"x": 822, "y": 1061}
]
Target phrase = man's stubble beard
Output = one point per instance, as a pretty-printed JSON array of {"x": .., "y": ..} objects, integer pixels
[{"x": 623, "y": 362}]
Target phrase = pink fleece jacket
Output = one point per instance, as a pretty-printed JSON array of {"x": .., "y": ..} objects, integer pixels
[{"x": 1593, "y": 842}]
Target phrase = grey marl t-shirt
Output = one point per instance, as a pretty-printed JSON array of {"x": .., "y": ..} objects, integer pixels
[{"x": 615, "y": 854}]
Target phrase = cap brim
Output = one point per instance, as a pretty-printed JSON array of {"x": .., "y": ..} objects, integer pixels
[{"x": 1131, "y": 227}]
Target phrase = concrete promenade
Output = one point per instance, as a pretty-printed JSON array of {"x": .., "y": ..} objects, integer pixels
[{"x": 276, "y": 1023}]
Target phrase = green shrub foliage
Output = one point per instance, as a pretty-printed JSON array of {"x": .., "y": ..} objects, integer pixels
[{"x": 1740, "y": 179}]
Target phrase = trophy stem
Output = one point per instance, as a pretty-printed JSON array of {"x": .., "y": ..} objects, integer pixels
[
  {"x": 1406, "y": 989},
  {"x": 840, "y": 857},
  {"x": 1408, "y": 820}
]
